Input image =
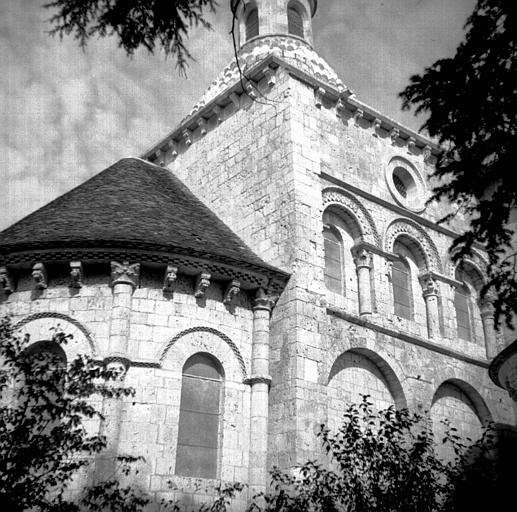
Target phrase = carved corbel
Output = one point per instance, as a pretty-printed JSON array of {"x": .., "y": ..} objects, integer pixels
[
  {"x": 270, "y": 76},
  {"x": 340, "y": 106},
  {"x": 171, "y": 146},
  {"x": 358, "y": 115},
  {"x": 6, "y": 281},
  {"x": 201, "y": 123},
  {"x": 218, "y": 111},
  {"x": 39, "y": 276},
  {"x": 426, "y": 152},
  {"x": 319, "y": 94},
  {"x": 233, "y": 288},
  {"x": 376, "y": 126},
  {"x": 388, "y": 270},
  {"x": 187, "y": 137},
  {"x": 76, "y": 274},
  {"x": 411, "y": 143},
  {"x": 394, "y": 135},
  {"x": 159, "y": 157},
  {"x": 202, "y": 283},
  {"x": 171, "y": 274},
  {"x": 125, "y": 273},
  {"x": 251, "y": 90},
  {"x": 235, "y": 99}
]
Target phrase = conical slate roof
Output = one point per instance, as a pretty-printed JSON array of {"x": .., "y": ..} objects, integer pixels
[{"x": 132, "y": 204}]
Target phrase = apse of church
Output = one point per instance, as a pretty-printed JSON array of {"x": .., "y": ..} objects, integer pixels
[{"x": 300, "y": 269}]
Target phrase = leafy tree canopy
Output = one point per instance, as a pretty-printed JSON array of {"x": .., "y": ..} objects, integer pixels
[
  {"x": 471, "y": 103},
  {"x": 45, "y": 407},
  {"x": 137, "y": 23}
]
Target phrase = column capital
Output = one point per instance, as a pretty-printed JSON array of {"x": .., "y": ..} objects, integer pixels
[
  {"x": 486, "y": 305},
  {"x": 264, "y": 301},
  {"x": 258, "y": 379},
  {"x": 429, "y": 285},
  {"x": 125, "y": 273},
  {"x": 363, "y": 257}
]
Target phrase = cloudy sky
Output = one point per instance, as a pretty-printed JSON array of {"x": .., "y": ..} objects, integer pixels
[{"x": 66, "y": 113}]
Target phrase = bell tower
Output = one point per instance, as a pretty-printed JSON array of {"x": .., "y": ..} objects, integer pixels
[{"x": 259, "y": 18}]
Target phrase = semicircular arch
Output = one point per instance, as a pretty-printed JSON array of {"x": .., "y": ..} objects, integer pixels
[
  {"x": 350, "y": 206},
  {"x": 405, "y": 228},
  {"x": 385, "y": 371},
  {"x": 42, "y": 326},
  {"x": 204, "y": 339}
]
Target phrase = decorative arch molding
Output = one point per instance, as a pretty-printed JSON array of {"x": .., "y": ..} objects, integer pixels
[
  {"x": 411, "y": 230},
  {"x": 480, "y": 408},
  {"x": 394, "y": 385},
  {"x": 476, "y": 260},
  {"x": 44, "y": 319},
  {"x": 334, "y": 196},
  {"x": 205, "y": 346}
]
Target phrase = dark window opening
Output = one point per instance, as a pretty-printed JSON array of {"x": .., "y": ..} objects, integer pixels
[
  {"x": 401, "y": 281},
  {"x": 333, "y": 247},
  {"x": 252, "y": 24},
  {"x": 200, "y": 418},
  {"x": 294, "y": 22},
  {"x": 461, "y": 305}
]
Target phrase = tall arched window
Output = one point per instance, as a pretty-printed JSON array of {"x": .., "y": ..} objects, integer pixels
[
  {"x": 200, "y": 417},
  {"x": 252, "y": 24},
  {"x": 401, "y": 281},
  {"x": 333, "y": 259},
  {"x": 294, "y": 21},
  {"x": 461, "y": 305}
]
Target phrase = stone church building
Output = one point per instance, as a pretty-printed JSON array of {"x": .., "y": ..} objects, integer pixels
[{"x": 264, "y": 264}]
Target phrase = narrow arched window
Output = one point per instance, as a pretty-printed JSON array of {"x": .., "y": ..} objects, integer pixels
[
  {"x": 333, "y": 246},
  {"x": 401, "y": 281},
  {"x": 252, "y": 24},
  {"x": 461, "y": 305},
  {"x": 294, "y": 22},
  {"x": 200, "y": 417}
]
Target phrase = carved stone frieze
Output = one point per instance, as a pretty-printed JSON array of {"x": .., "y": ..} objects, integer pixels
[
  {"x": 169, "y": 280},
  {"x": 6, "y": 281},
  {"x": 232, "y": 290},
  {"x": 76, "y": 274},
  {"x": 202, "y": 283},
  {"x": 125, "y": 273},
  {"x": 39, "y": 276}
]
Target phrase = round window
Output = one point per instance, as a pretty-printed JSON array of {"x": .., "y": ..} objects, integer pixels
[{"x": 405, "y": 184}]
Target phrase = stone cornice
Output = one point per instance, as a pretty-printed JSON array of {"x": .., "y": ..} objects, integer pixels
[
  {"x": 341, "y": 99},
  {"x": 249, "y": 278},
  {"x": 415, "y": 340}
]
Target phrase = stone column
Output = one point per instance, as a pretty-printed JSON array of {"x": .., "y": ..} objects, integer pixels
[
  {"x": 363, "y": 265},
  {"x": 124, "y": 279},
  {"x": 260, "y": 382},
  {"x": 486, "y": 308},
  {"x": 430, "y": 292}
]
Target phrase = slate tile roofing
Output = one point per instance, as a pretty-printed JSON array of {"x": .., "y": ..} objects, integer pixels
[{"x": 132, "y": 204}]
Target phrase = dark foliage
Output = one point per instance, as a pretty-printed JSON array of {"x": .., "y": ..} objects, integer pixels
[
  {"x": 388, "y": 461},
  {"x": 471, "y": 101},
  {"x": 44, "y": 406},
  {"x": 152, "y": 24}
]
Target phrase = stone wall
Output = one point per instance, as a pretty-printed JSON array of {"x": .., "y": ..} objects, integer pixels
[{"x": 165, "y": 329}]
